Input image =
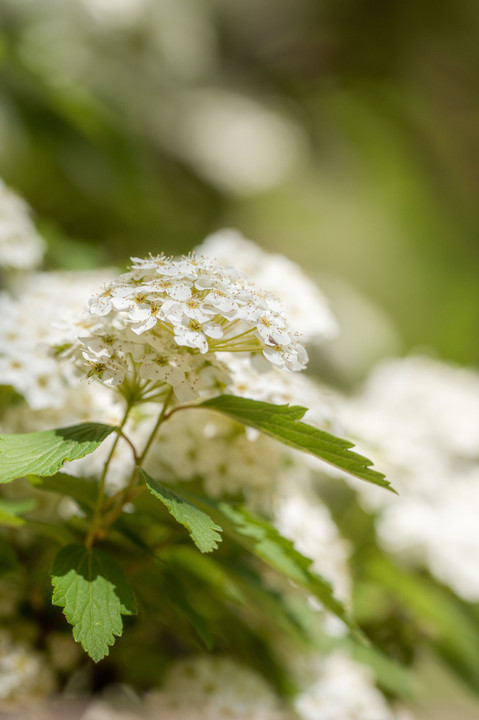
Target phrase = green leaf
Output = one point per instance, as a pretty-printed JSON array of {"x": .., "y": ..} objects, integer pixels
[
  {"x": 57, "y": 532},
  {"x": 178, "y": 596},
  {"x": 281, "y": 422},
  {"x": 11, "y": 509},
  {"x": 17, "y": 507},
  {"x": 263, "y": 540},
  {"x": 80, "y": 489},
  {"x": 204, "y": 532},
  {"x": 390, "y": 675},
  {"x": 205, "y": 567},
  {"x": 91, "y": 587},
  {"x": 43, "y": 453},
  {"x": 8, "y": 558},
  {"x": 7, "y": 520},
  {"x": 442, "y": 616}
]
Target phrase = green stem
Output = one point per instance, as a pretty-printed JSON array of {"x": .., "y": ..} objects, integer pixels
[
  {"x": 132, "y": 490},
  {"x": 101, "y": 486},
  {"x": 161, "y": 417}
]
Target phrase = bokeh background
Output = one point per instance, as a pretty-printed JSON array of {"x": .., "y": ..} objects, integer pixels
[{"x": 342, "y": 133}]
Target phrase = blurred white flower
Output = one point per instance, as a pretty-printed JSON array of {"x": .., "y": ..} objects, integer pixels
[
  {"x": 237, "y": 143},
  {"x": 337, "y": 688},
  {"x": 30, "y": 323},
  {"x": 439, "y": 532},
  {"x": 24, "y": 673},
  {"x": 305, "y": 306},
  {"x": 304, "y": 519},
  {"x": 215, "y": 688},
  {"x": 21, "y": 247},
  {"x": 230, "y": 460},
  {"x": 419, "y": 420},
  {"x": 116, "y": 13}
]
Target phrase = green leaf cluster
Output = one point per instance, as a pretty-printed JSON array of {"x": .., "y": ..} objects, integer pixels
[{"x": 112, "y": 563}]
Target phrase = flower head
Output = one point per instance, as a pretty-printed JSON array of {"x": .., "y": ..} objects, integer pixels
[{"x": 165, "y": 320}]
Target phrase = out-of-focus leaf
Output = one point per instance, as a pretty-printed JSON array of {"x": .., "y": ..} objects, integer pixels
[
  {"x": 80, "y": 489},
  {"x": 57, "y": 532},
  {"x": 10, "y": 510},
  {"x": 453, "y": 632},
  {"x": 263, "y": 540},
  {"x": 8, "y": 559}
]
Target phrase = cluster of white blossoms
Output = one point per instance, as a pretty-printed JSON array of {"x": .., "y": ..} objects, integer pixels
[
  {"x": 305, "y": 305},
  {"x": 31, "y": 323},
  {"x": 21, "y": 247},
  {"x": 304, "y": 519},
  {"x": 419, "y": 420},
  {"x": 335, "y": 687},
  {"x": 24, "y": 673},
  {"x": 216, "y": 688},
  {"x": 165, "y": 321},
  {"x": 231, "y": 460}
]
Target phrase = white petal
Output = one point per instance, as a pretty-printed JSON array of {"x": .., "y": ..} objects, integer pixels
[
  {"x": 100, "y": 305},
  {"x": 213, "y": 330},
  {"x": 144, "y": 326},
  {"x": 274, "y": 356},
  {"x": 191, "y": 338},
  {"x": 112, "y": 375},
  {"x": 179, "y": 291},
  {"x": 139, "y": 312}
]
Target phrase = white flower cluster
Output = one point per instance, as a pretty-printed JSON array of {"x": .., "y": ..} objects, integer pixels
[
  {"x": 216, "y": 688},
  {"x": 304, "y": 519},
  {"x": 21, "y": 247},
  {"x": 30, "y": 324},
  {"x": 166, "y": 319},
  {"x": 305, "y": 306},
  {"x": 340, "y": 688},
  {"x": 231, "y": 460},
  {"x": 53, "y": 394},
  {"x": 24, "y": 674},
  {"x": 419, "y": 420}
]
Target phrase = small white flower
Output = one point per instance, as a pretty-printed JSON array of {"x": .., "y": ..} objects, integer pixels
[
  {"x": 97, "y": 347},
  {"x": 159, "y": 367},
  {"x": 271, "y": 328},
  {"x": 145, "y": 325},
  {"x": 213, "y": 330},
  {"x": 139, "y": 312},
  {"x": 220, "y": 300},
  {"x": 190, "y": 334},
  {"x": 102, "y": 304},
  {"x": 111, "y": 372}
]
